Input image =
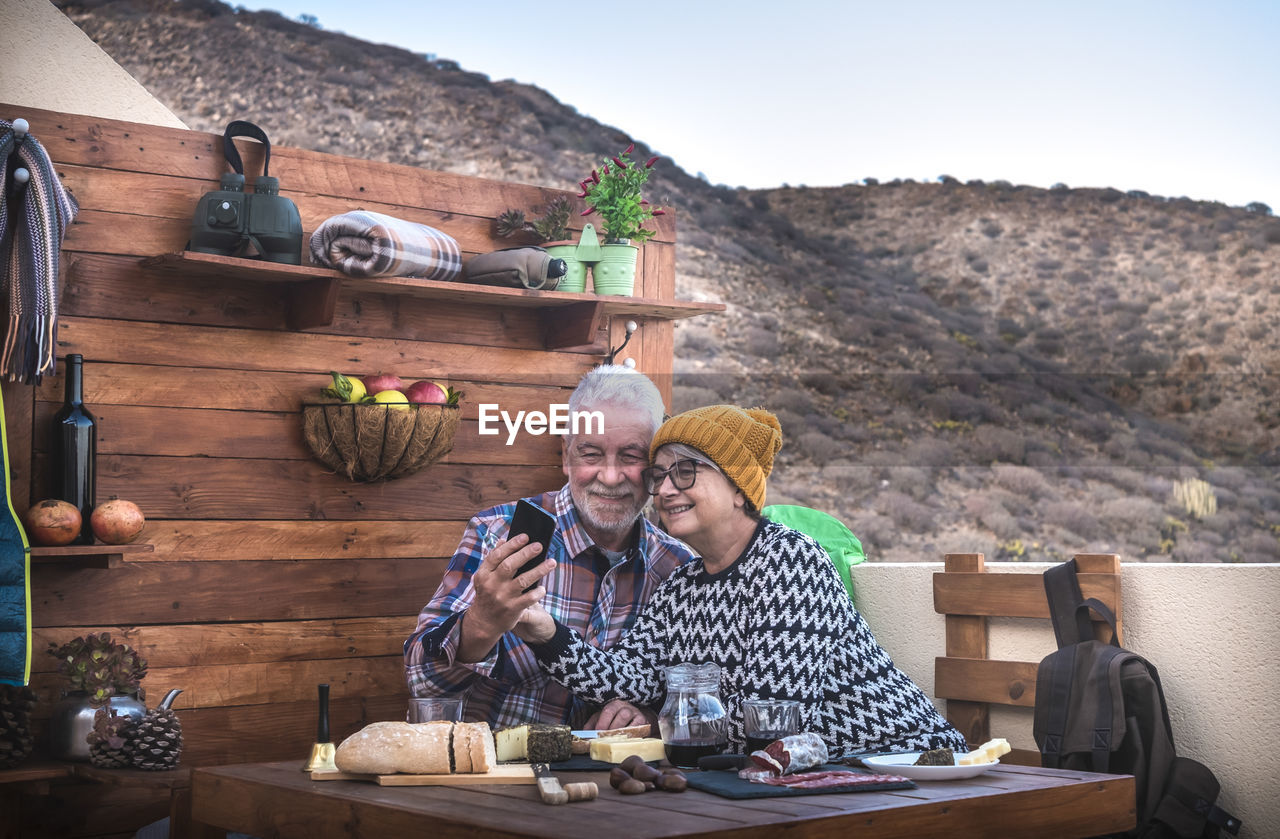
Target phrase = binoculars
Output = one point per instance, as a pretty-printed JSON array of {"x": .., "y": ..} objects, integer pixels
[{"x": 228, "y": 220}]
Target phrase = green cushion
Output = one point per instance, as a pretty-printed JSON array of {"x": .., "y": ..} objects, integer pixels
[{"x": 828, "y": 531}]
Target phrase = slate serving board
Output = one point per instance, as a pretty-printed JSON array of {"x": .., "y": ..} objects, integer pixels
[{"x": 727, "y": 784}]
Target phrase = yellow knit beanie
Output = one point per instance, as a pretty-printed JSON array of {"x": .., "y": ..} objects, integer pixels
[{"x": 741, "y": 442}]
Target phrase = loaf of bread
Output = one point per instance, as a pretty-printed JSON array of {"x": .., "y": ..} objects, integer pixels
[
  {"x": 385, "y": 748},
  {"x": 429, "y": 748}
]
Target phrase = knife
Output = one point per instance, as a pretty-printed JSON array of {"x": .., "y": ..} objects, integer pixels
[
  {"x": 552, "y": 793},
  {"x": 729, "y": 761}
]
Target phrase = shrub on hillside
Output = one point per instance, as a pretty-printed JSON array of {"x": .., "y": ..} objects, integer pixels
[
  {"x": 876, "y": 532},
  {"x": 761, "y": 343},
  {"x": 991, "y": 514},
  {"x": 1022, "y": 480},
  {"x": 1072, "y": 516},
  {"x": 993, "y": 444},
  {"x": 928, "y": 452},
  {"x": 906, "y": 512},
  {"x": 913, "y": 481},
  {"x": 819, "y": 446}
]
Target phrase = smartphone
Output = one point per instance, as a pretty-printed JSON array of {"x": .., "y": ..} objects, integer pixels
[{"x": 538, "y": 525}]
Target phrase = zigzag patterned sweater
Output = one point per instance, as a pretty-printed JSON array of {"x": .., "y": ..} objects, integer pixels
[{"x": 779, "y": 624}]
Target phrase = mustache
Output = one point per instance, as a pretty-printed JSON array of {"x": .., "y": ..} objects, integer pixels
[{"x": 627, "y": 490}]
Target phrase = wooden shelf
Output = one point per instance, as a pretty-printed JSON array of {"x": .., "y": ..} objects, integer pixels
[
  {"x": 568, "y": 319},
  {"x": 35, "y": 770},
  {"x": 88, "y": 556}
]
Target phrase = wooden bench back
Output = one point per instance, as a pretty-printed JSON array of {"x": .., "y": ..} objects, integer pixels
[{"x": 968, "y": 595}]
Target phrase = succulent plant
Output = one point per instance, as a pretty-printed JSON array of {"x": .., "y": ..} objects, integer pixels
[
  {"x": 510, "y": 223},
  {"x": 551, "y": 226},
  {"x": 100, "y": 667}
]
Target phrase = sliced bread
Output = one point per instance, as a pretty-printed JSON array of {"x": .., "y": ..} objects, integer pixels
[
  {"x": 462, "y": 736},
  {"x": 484, "y": 755}
]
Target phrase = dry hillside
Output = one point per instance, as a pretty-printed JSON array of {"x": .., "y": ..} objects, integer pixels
[{"x": 958, "y": 367}]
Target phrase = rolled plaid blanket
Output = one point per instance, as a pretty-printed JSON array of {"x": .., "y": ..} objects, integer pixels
[
  {"x": 32, "y": 222},
  {"x": 365, "y": 244}
]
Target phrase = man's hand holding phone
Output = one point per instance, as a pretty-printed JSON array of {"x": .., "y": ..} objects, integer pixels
[{"x": 508, "y": 581}]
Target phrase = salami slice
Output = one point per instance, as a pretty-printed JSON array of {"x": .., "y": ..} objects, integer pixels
[
  {"x": 756, "y": 775},
  {"x": 792, "y": 754}
]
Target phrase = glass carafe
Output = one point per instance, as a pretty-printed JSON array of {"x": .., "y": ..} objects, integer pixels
[{"x": 693, "y": 722}]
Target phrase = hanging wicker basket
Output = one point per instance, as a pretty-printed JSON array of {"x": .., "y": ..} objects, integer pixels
[{"x": 377, "y": 442}]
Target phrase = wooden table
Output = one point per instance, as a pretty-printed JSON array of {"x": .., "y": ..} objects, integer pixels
[{"x": 278, "y": 800}]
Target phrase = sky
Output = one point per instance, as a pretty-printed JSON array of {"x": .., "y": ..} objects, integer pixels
[{"x": 1174, "y": 98}]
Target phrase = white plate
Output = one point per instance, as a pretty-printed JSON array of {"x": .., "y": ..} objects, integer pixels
[
  {"x": 903, "y": 764},
  {"x": 588, "y": 734}
]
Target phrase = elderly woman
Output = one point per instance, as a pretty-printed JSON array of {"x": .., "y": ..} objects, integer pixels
[{"x": 762, "y": 601}]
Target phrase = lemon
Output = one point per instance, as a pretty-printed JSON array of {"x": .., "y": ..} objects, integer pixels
[
  {"x": 394, "y": 398},
  {"x": 357, "y": 390}
]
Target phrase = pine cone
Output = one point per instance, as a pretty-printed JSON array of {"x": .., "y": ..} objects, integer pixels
[
  {"x": 156, "y": 741},
  {"x": 109, "y": 739},
  {"x": 16, "y": 743}
]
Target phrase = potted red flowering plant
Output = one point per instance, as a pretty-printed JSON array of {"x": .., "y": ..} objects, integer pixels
[{"x": 614, "y": 192}]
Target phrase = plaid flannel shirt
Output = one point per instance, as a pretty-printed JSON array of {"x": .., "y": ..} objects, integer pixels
[{"x": 583, "y": 592}]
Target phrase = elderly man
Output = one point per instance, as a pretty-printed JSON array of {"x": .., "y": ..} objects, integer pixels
[{"x": 603, "y": 563}]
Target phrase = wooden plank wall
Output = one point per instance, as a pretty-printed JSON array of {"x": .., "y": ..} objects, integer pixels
[{"x": 269, "y": 575}]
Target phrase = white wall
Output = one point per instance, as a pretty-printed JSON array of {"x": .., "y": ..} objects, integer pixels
[
  {"x": 1212, "y": 631},
  {"x": 47, "y": 62}
]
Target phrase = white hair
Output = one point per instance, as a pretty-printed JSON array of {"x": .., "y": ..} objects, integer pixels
[{"x": 623, "y": 387}]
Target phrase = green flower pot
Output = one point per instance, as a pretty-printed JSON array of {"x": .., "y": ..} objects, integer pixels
[
  {"x": 615, "y": 273},
  {"x": 575, "y": 278}
]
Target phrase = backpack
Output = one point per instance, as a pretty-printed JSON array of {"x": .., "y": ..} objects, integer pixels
[{"x": 1100, "y": 708}]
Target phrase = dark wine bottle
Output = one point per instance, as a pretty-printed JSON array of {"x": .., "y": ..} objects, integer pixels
[{"x": 73, "y": 450}]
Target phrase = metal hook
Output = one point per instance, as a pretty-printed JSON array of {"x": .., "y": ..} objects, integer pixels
[{"x": 632, "y": 326}]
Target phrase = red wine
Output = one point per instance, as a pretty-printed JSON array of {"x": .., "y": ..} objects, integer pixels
[
  {"x": 685, "y": 753},
  {"x": 761, "y": 739},
  {"x": 73, "y": 450}
]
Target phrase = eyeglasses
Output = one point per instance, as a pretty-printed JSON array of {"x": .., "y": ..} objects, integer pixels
[{"x": 683, "y": 473}]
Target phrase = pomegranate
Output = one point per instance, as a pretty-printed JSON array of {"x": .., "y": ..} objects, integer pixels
[
  {"x": 427, "y": 392},
  {"x": 117, "y": 522},
  {"x": 53, "y": 522},
  {"x": 374, "y": 385}
]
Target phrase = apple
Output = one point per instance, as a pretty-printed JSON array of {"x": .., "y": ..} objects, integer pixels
[
  {"x": 429, "y": 392},
  {"x": 374, "y": 385}
]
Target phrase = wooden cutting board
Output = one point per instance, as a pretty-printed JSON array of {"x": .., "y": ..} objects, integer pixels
[{"x": 508, "y": 773}]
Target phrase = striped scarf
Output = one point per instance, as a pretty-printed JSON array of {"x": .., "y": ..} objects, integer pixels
[{"x": 32, "y": 223}]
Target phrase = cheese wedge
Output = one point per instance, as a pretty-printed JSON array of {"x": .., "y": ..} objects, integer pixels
[
  {"x": 617, "y": 749},
  {"x": 988, "y": 752},
  {"x": 512, "y": 743}
]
